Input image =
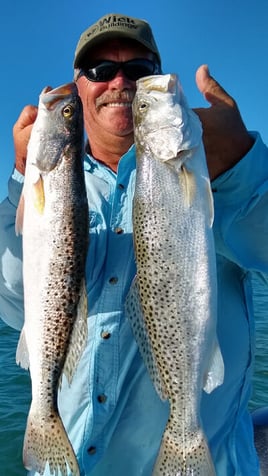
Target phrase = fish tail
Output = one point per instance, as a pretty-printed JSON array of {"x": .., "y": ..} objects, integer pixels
[
  {"x": 46, "y": 441},
  {"x": 178, "y": 457}
]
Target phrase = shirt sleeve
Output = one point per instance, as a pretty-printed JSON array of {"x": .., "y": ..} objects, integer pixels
[
  {"x": 11, "y": 287},
  {"x": 241, "y": 210}
]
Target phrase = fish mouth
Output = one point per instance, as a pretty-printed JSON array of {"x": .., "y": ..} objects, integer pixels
[
  {"x": 162, "y": 83},
  {"x": 50, "y": 96}
]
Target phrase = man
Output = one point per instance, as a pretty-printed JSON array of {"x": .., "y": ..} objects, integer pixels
[{"x": 112, "y": 413}]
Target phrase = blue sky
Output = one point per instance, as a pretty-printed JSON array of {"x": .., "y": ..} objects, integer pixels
[{"x": 38, "y": 40}]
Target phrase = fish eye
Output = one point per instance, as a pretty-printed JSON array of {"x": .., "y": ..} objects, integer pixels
[
  {"x": 143, "y": 106},
  {"x": 67, "y": 111}
]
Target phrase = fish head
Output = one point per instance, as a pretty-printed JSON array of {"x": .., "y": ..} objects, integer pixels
[
  {"x": 164, "y": 125},
  {"x": 58, "y": 127}
]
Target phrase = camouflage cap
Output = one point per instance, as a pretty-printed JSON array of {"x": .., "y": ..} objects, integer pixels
[{"x": 115, "y": 25}]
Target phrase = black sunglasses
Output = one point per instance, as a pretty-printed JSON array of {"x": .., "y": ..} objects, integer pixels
[{"x": 134, "y": 69}]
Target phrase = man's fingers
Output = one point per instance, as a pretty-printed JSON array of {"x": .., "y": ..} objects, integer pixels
[
  {"x": 210, "y": 88},
  {"x": 26, "y": 118},
  {"x": 21, "y": 133}
]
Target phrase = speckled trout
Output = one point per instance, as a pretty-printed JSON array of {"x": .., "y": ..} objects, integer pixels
[
  {"x": 172, "y": 304},
  {"x": 53, "y": 218}
]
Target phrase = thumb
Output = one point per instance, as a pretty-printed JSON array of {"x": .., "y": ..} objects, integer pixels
[{"x": 212, "y": 91}]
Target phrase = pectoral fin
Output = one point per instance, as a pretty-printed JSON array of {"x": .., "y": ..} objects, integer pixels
[
  {"x": 210, "y": 203},
  {"x": 19, "y": 215},
  {"x": 215, "y": 372},
  {"x": 39, "y": 195},
  {"x": 188, "y": 183},
  {"x": 38, "y": 198},
  {"x": 22, "y": 354}
]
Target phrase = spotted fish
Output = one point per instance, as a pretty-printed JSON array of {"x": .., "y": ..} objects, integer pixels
[
  {"x": 172, "y": 304},
  {"x": 53, "y": 218}
]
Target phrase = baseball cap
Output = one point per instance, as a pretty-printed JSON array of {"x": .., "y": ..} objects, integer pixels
[{"x": 115, "y": 25}]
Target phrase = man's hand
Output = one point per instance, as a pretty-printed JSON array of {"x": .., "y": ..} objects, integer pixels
[
  {"x": 226, "y": 139},
  {"x": 21, "y": 134}
]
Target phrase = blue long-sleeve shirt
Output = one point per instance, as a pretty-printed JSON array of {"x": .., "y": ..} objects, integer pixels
[{"x": 112, "y": 413}]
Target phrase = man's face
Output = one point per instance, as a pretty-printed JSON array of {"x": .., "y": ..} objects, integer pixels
[{"x": 107, "y": 105}]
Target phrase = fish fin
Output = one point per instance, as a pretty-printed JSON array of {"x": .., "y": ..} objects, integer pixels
[
  {"x": 39, "y": 195},
  {"x": 210, "y": 202},
  {"x": 22, "y": 353},
  {"x": 215, "y": 372},
  {"x": 46, "y": 442},
  {"x": 19, "y": 215},
  {"x": 188, "y": 182},
  {"x": 183, "y": 456},
  {"x": 78, "y": 338},
  {"x": 135, "y": 314}
]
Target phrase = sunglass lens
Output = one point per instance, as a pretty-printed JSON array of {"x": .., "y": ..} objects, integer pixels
[
  {"x": 104, "y": 71},
  {"x": 133, "y": 69},
  {"x": 137, "y": 69}
]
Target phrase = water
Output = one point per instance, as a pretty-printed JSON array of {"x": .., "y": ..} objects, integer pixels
[
  {"x": 260, "y": 379},
  {"x": 15, "y": 385},
  {"x": 14, "y": 404}
]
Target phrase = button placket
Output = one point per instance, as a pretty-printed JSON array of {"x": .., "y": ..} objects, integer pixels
[{"x": 107, "y": 362}]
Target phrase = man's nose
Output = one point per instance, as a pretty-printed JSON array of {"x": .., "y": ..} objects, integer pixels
[{"x": 120, "y": 81}]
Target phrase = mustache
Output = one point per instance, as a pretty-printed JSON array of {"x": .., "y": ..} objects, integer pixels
[{"x": 114, "y": 96}]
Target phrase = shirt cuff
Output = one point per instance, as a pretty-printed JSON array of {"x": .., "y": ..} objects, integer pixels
[{"x": 239, "y": 183}]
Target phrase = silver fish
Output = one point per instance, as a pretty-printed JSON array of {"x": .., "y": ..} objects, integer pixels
[
  {"x": 53, "y": 218},
  {"x": 172, "y": 304}
]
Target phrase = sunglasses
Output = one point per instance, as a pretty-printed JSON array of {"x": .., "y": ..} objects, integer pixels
[{"x": 133, "y": 69}]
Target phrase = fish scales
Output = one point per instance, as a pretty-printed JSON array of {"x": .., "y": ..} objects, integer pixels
[
  {"x": 172, "y": 303},
  {"x": 53, "y": 217}
]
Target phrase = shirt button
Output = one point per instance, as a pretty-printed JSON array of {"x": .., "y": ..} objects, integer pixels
[
  {"x": 91, "y": 450},
  {"x": 113, "y": 280},
  {"x": 105, "y": 335},
  {"x": 118, "y": 230},
  {"x": 121, "y": 186},
  {"x": 102, "y": 398}
]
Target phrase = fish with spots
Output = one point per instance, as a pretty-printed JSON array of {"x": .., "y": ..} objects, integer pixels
[
  {"x": 172, "y": 304},
  {"x": 53, "y": 218}
]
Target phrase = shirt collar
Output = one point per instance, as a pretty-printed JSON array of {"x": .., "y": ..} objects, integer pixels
[{"x": 92, "y": 165}]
